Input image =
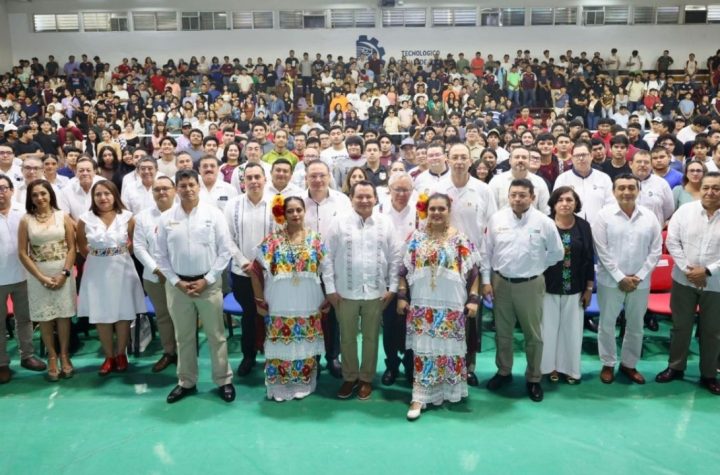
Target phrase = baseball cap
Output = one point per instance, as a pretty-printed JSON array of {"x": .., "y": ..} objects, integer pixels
[{"x": 408, "y": 141}]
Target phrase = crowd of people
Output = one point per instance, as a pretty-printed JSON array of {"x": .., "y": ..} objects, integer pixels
[{"x": 397, "y": 216}]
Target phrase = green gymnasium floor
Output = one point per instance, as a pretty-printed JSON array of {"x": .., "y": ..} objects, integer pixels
[{"x": 121, "y": 424}]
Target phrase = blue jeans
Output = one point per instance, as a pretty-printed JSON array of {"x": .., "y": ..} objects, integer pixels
[
  {"x": 528, "y": 97},
  {"x": 319, "y": 109},
  {"x": 514, "y": 96}
]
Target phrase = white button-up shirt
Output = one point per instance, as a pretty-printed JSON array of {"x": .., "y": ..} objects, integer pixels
[
  {"x": 626, "y": 245},
  {"x": 147, "y": 222},
  {"x": 220, "y": 193},
  {"x": 12, "y": 270},
  {"x": 472, "y": 207},
  {"x": 656, "y": 195},
  {"x": 500, "y": 186},
  {"x": 428, "y": 180},
  {"x": 192, "y": 244},
  {"x": 693, "y": 239},
  {"x": 236, "y": 179},
  {"x": 319, "y": 215},
  {"x": 138, "y": 198},
  {"x": 74, "y": 200},
  {"x": 595, "y": 191},
  {"x": 15, "y": 174},
  {"x": 521, "y": 247},
  {"x": 365, "y": 256},
  {"x": 249, "y": 223},
  {"x": 403, "y": 221},
  {"x": 289, "y": 190}
]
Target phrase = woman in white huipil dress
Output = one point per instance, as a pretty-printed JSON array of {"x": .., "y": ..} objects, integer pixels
[{"x": 110, "y": 293}]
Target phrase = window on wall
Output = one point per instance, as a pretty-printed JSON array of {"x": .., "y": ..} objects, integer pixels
[
  {"x": 541, "y": 16},
  {"x": 607, "y": 15},
  {"x": 63, "y": 22},
  {"x": 695, "y": 14},
  {"x": 252, "y": 20},
  {"x": 667, "y": 15},
  {"x": 296, "y": 19},
  {"x": 410, "y": 17},
  {"x": 566, "y": 16},
  {"x": 352, "y": 18},
  {"x": 490, "y": 17},
  {"x": 197, "y": 21},
  {"x": 105, "y": 21},
  {"x": 155, "y": 21},
  {"x": 512, "y": 16},
  {"x": 643, "y": 15},
  {"x": 713, "y": 14},
  {"x": 454, "y": 17}
]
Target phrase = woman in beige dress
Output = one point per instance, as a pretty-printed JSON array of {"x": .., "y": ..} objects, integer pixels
[{"x": 46, "y": 243}]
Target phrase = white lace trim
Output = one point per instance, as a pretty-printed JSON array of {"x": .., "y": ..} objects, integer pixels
[
  {"x": 432, "y": 346},
  {"x": 288, "y": 392},
  {"x": 439, "y": 393}
]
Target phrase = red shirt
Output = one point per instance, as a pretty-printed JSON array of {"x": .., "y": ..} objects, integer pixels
[
  {"x": 477, "y": 66},
  {"x": 158, "y": 83}
]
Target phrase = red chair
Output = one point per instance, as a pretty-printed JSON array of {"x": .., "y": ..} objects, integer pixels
[{"x": 660, "y": 285}]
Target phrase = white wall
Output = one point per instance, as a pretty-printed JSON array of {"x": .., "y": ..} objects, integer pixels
[
  {"x": 6, "y": 56},
  {"x": 270, "y": 44}
]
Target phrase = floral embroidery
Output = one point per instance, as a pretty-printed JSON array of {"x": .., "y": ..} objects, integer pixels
[
  {"x": 109, "y": 251},
  {"x": 565, "y": 237},
  {"x": 440, "y": 323},
  {"x": 432, "y": 370},
  {"x": 289, "y": 372},
  {"x": 49, "y": 251},
  {"x": 451, "y": 254},
  {"x": 293, "y": 329},
  {"x": 282, "y": 257}
]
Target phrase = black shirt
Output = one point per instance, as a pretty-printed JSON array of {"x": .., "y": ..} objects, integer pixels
[
  {"x": 48, "y": 142},
  {"x": 612, "y": 171},
  {"x": 579, "y": 256},
  {"x": 23, "y": 148}
]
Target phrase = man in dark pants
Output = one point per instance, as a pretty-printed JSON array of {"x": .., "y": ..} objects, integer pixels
[{"x": 249, "y": 218}]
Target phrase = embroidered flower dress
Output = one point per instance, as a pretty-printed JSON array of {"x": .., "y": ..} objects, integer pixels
[
  {"x": 293, "y": 331},
  {"x": 436, "y": 275},
  {"x": 110, "y": 290},
  {"x": 48, "y": 249}
]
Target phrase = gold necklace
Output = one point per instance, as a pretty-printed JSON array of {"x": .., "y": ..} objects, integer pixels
[{"x": 43, "y": 218}]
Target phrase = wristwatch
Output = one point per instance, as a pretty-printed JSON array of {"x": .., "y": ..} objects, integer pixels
[{"x": 66, "y": 272}]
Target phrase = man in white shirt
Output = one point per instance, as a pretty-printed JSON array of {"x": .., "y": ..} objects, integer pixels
[
  {"x": 500, "y": 184},
  {"x": 655, "y": 193},
  {"x": 593, "y": 186},
  {"x": 628, "y": 245},
  {"x": 75, "y": 198},
  {"x": 138, "y": 194},
  {"x": 689, "y": 132},
  {"x": 342, "y": 165},
  {"x": 249, "y": 218},
  {"x": 401, "y": 211},
  {"x": 193, "y": 252},
  {"x": 13, "y": 283},
  {"x": 521, "y": 243},
  {"x": 8, "y": 167},
  {"x": 337, "y": 150},
  {"x": 438, "y": 168},
  {"x": 473, "y": 204},
  {"x": 693, "y": 242},
  {"x": 32, "y": 169},
  {"x": 253, "y": 152},
  {"x": 145, "y": 248},
  {"x": 365, "y": 257},
  {"x": 322, "y": 206},
  {"x": 134, "y": 177},
  {"x": 213, "y": 188},
  {"x": 280, "y": 174}
]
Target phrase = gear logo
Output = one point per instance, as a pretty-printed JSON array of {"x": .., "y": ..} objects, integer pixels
[{"x": 367, "y": 47}]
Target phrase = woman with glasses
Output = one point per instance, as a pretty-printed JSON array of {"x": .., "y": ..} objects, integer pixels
[{"x": 690, "y": 189}]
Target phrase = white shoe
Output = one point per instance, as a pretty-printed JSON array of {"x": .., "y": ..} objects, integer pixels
[{"x": 415, "y": 411}]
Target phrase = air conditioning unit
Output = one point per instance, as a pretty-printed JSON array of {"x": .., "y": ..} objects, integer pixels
[{"x": 387, "y": 3}]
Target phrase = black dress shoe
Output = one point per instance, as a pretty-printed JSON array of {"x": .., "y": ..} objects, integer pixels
[
  {"x": 180, "y": 392},
  {"x": 227, "y": 392},
  {"x": 389, "y": 377},
  {"x": 651, "y": 323},
  {"x": 246, "y": 365},
  {"x": 668, "y": 375},
  {"x": 498, "y": 381},
  {"x": 711, "y": 384},
  {"x": 335, "y": 368},
  {"x": 472, "y": 379},
  {"x": 591, "y": 324},
  {"x": 535, "y": 391}
]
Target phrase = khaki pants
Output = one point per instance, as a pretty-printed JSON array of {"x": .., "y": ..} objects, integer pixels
[
  {"x": 23, "y": 325},
  {"x": 683, "y": 302},
  {"x": 521, "y": 302},
  {"x": 184, "y": 311},
  {"x": 156, "y": 292},
  {"x": 366, "y": 314}
]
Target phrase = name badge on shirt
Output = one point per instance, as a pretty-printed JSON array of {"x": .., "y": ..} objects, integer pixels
[
  {"x": 502, "y": 229},
  {"x": 223, "y": 198}
]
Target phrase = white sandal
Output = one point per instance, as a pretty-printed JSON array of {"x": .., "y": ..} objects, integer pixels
[{"x": 414, "y": 413}]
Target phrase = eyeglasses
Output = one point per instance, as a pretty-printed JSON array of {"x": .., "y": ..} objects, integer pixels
[
  {"x": 401, "y": 190},
  {"x": 4, "y": 189},
  {"x": 6, "y": 152},
  {"x": 581, "y": 156},
  {"x": 162, "y": 189}
]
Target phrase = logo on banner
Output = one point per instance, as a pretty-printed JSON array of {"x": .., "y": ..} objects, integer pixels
[{"x": 367, "y": 47}]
